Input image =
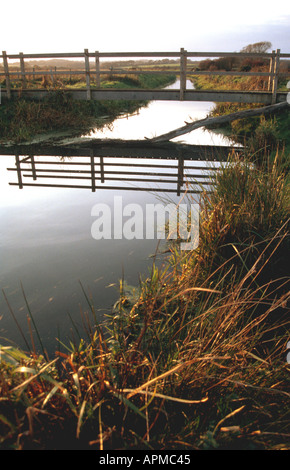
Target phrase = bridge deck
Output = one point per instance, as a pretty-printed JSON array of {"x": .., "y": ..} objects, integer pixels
[{"x": 262, "y": 97}]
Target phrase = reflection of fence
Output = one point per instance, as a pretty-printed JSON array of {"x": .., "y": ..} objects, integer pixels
[
  {"x": 92, "y": 70},
  {"x": 173, "y": 174},
  {"x": 97, "y": 173}
]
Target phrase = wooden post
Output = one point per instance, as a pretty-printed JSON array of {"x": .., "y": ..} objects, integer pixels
[
  {"x": 87, "y": 66},
  {"x": 275, "y": 76},
  {"x": 93, "y": 171},
  {"x": 102, "y": 169},
  {"x": 180, "y": 176},
  {"x": 33, "y": 169},
  {"x": 17, "y": 161},
  {"x": 7, "y": 77},
  {"x": 52, "y": 76},
  {"x": 271, "y": 71},
  {"x": 183, "y": 63},
  {"x": 98, "y": 77},
  {"x": 22, "y": 68}
]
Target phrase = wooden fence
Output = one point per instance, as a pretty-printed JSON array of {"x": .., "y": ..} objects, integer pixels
[{"x": 92, "y": 71}]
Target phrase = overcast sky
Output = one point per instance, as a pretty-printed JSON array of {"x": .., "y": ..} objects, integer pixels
[{"x": 32, "y": 26}]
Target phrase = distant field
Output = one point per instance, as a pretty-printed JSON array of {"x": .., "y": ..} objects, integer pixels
[{"x": 46, "y": 73}]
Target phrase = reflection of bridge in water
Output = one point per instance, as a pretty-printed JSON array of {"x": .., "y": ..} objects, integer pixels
[{"x": 118, "y": 165}]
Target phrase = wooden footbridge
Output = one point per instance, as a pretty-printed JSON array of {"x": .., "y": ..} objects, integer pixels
[{"x": 18, "y": 74}]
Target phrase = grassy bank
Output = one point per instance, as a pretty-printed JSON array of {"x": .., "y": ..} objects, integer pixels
[
  {"x": 21, "y": 119},
  {"x": 257, "y": 133},
  {"x": 194, "y": 359}
]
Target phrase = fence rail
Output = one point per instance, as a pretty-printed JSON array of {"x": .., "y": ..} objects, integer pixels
[{"x": 92, "y": 71}]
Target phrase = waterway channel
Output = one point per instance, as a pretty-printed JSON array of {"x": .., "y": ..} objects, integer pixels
[{"x": 46, "y": 242}]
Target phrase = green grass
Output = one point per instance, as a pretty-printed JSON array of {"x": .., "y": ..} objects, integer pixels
[
  {"x": 21, "y": 119},
  {"x": 138, "y": 81},
  {"x": 194, "y": 358}
]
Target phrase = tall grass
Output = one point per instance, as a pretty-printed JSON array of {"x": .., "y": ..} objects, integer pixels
[
  {"x": 257, "y": 133},
  {"x": 23, "y": 119},
  {"x": 194, "y": 359}
]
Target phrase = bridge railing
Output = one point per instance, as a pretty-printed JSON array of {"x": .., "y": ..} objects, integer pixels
[{"x": 92, "y": 69}]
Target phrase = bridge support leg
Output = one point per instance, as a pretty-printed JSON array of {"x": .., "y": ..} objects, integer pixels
[
  {"x": 87, "y": 65},
  {"x": 183, "y": 63},
  {"x": 93, "y": 171},
  {"x": 19, "y": 175},
  {"x": 271, "y": 71},
  {"x": 180, "y": 176},
  {"x": 97, "y": 62},
  {"x": 22, "y": 68},
  {"x": 275, "y": 76},
  {"x": 7, "y": 77}
]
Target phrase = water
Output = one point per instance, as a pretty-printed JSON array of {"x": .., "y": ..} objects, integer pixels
[
  {"x": 47, "y": 248},
  {"x": 160, "y": 117}
]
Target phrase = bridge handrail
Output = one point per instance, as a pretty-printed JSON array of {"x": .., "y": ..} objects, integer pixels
[
  {"x": 265, "y": 55},
  {"x": 183, "y": 70}
]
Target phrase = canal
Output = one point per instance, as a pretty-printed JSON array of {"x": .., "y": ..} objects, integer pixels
[{"x": 47, "y": 249}]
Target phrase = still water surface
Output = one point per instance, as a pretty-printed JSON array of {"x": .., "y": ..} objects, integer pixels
[{"x": 46, "y": 243}]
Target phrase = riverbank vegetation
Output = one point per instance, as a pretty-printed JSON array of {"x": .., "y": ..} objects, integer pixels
[
  {"x": 257, "y": 132},
  {"x": 240, "y": 130},
  {"x": 22, "y": 119},
  {"x": 195, "y": 358}
]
